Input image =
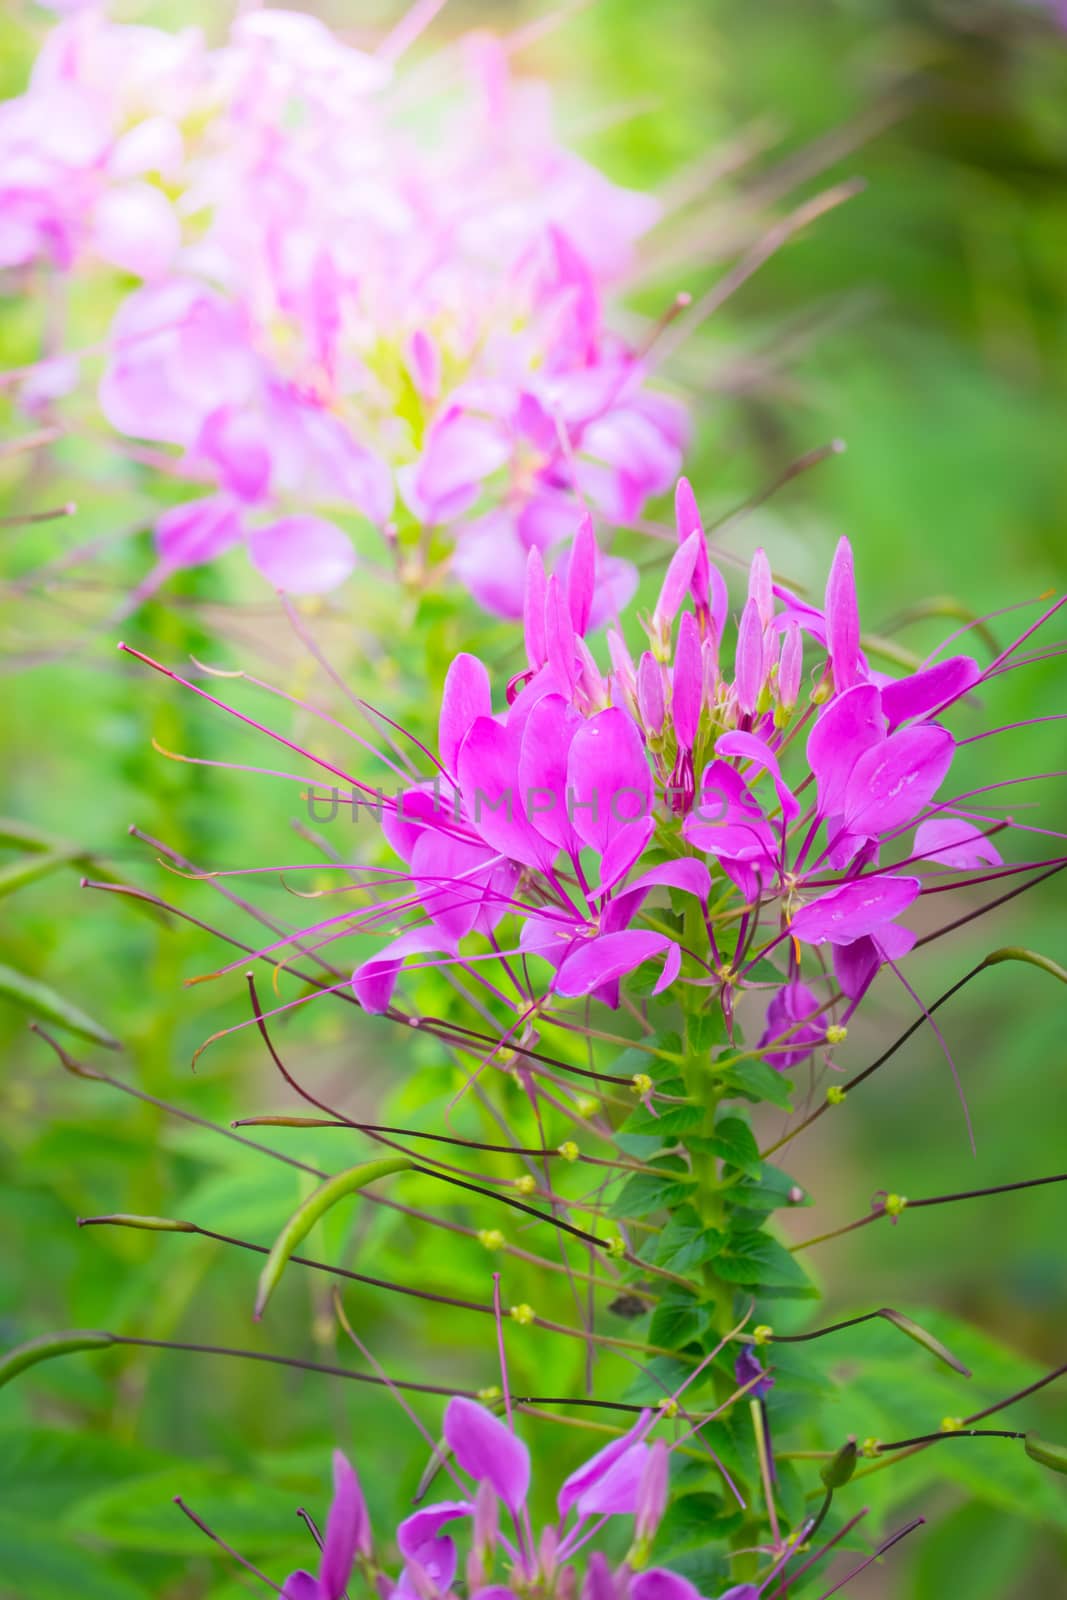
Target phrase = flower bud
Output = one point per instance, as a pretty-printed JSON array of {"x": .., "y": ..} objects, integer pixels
[
  {"x": 650, "y": 701},
  {"x": 652, "y": 1493},
  {"x": 837, "y": 1472}
]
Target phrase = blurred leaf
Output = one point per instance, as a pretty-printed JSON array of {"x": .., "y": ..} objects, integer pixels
[{"x": 45, "y": 1002}]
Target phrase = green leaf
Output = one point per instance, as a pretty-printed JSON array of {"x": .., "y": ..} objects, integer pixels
[
  {"x": 685, "y": 1243},
  {"x": 759, "y": 1083},
  {"x": 758, "y": 1261},
  {"x": 19, "y": 873},
  {"x": 665, "y": 1122},
  {"x": 35, "y": 1563},
  {"x": 678, "y": 1320},
  {"x": 764, "y": 971},
  {"x": 705, "y": 1029},
  {"x": 646, "y": 1192},
  {"x": 734, "y": 1142},
  {"x": 45, "y": 1002}
]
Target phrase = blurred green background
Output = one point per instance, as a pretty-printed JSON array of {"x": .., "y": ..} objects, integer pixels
[{"x": 925, "y": 324}]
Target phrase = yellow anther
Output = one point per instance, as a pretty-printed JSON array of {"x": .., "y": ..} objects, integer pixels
[
  {"x": 668, "y": 1406},
  {"x": 763, "y": 1334},
  {"x": 835, "y": 1095},
  {"x": 526, "y": 1184},
  {"x": 616, "y": 1247},
  {"x": 587, "y": 1105},
  {"x": 894, "y": 1204},
  {"x": 951, "y": 1424},
  {"x": 569, "y": 1150},
  {"x": 491, "y": 1238},
  {"x": 836, "y": 1034},
  {"x": 523, "y": 1314},
  {"x": 487, "y": 1396},
  {"x": 869, "y": 1447},
  {"x": 642, "y": 1083}
]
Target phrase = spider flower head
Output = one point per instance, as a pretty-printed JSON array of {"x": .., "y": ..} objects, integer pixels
[
  {"x": 366, "y": 293},
  {"x": 750, "y": 797},
  {"x": 489, "y": 1517}
]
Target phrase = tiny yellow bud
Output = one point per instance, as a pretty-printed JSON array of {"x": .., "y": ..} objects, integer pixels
[
  {"x": 526, "y": 1184},
  {"x": 587, "y": 1105},
  {"x": 835, "y": 1094},
  {"x": 951, "y": 1424},
  {"x": 642, "y": 1083},
  {"x": 763, "y": 1334},
  {"x": 668, "y": 1406},
  {"x": 894, "y": 1204},
  {"x": 523, "y": 1314},
  {"x": 616, "y": 1247},
  {"x": 836, "y": 1034},
  {"x": 869, "y": 1448},
  {"x": 487, "y": 1396},
  {"x": 491, "y": 1238},
  {"x": 569, "y": 1150}
]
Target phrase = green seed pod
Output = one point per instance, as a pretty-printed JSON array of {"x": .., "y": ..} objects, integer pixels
[{"x": 837, "y": 1472}]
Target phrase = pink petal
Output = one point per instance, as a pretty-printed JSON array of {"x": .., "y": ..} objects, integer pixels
[
  {"x": 615, "y": 1492},
  {"x": 843, "y": 618},
  {"x": 135, "y": 228},
  {"x": 891, "y": 783},
  {"x": 373, "y": 982},
  {"x": 930, "y": 690},
  {"x": 608, "y": 778},
  {"x": 546, "y": 742},
  {"x": 198, "y": 531},
  {"x": 954, "y": 842},
  {"x": 594, "y": 1469},
  {"x": 488, "y": 767},
  {"x": 347, "y": 1530},
  {"x": 850, "y": 724},
  {"x": 853, "y": 910},
  {"x": 658, "y": 1584},
  {"x": 425, "y": 1524},
  {"x": 612, "y": 955},
  {"x": 581, "y": 575},
  {"x": 302, "y": 554},
  {"x": 486, "y": 1449},
  {"x": 466, "y": 696},
  {"x": 688, "y": 681}
]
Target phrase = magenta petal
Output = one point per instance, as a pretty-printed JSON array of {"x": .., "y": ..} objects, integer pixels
[
  {"x": 486, "y": 1449},
  {"x": 347, "y": 1530},
  {"x": 853, "y": 910},
  {"x": 955, "y": 842},
  {"x": 935, "y": 688},
  {"x": 466, "y": 696},
  {"x": 616, "y": 585},
  {"x": 688, "y": 681},
  {"x": 843, "y": 618},
  {"x": 425, "y": 1524},
  {"x": 599, "y": 1583},
  {"x": 612, "y": 955},
  {"x": 615, "y": 1492},
  {"x": 608, "y": 778},
  {"x": 623, "y": 852},
  {"x": 657, "y": 1583},
  {"x": 198, "y": 531},
  {"x": 581, "y": 575},
  {"x": 749, "y": 658},
  {"x": 373, "y": 982},
  {"x": 490, "y": 562},
  {"x": 749, "y": 747},
  {"x": 852, "y": 723},
  {"x": 594, "y": 1469},
  {"x": 302, "y": 1586},
  {"x": 890, "y": 784},
  {"x": 546, "y": 742},
  {"x": 136, "y": 228},
  {"x": 302, "y": 554},
  {"x": 533, "y": 610},
  {"x": 488, "y": 769}
]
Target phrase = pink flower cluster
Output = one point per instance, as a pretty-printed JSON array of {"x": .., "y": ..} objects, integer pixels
[
  {"x": 628, "y": 1478},
  {"x": 780, "y": 790},
  {"x": 365, "y": 293}
]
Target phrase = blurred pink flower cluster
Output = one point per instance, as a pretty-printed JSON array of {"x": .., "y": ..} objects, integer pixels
[{"x": 359, "y": 291}]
